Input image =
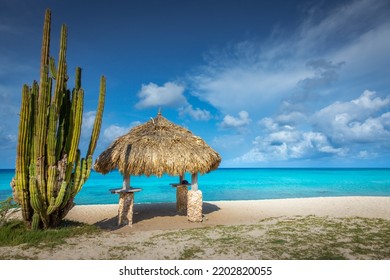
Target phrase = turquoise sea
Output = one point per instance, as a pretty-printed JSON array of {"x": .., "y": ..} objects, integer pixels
[{"x": 236, "y": 184}]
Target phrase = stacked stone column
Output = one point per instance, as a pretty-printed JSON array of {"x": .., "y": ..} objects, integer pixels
[
  {"x": 125, "y": 211},
  {"x": 195, "y": 206}
]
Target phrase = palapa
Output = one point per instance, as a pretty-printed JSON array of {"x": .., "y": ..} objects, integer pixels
[{"x": 157, "y": 147}]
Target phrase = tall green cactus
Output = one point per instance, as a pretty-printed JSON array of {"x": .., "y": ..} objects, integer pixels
[{"x": 49, "y": 169}]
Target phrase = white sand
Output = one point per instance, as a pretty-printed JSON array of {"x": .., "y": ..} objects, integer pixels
[{"x": 162, "y": 216}]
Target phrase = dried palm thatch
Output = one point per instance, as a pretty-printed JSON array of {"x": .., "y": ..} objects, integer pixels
[{"x": 158, "y": 147}]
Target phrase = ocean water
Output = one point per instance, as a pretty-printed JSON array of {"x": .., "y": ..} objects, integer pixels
[{"x": 235, "y": 184}]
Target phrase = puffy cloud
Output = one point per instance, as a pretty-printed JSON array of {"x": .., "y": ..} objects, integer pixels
[
  {"x": 197, "y": 114},
  {"x": 114, "y": 131},
  {"x": 152, "y": 95},
  {"x": 359, "y": 120},
  {"x": 236, "y": 122},
  {"x": 358, "y": 128},
  {"x": 286, "y": 142}
]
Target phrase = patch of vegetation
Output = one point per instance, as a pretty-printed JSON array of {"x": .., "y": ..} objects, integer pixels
[
  {"x": 190, "y": 253},
  {"x": 117, "y": 252},
  {"x": 15, "y": 233}
]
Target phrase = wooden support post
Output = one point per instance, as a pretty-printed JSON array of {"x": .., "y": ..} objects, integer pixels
[
  {"x": 126, "y": 205},
  {"x": 194, "y": 182},
  {"x": 126, "y": 182}
]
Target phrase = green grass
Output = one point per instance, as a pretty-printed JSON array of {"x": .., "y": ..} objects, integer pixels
[
  {"x": 15, "y": 233},
  {"x": 190, "y": 253}
]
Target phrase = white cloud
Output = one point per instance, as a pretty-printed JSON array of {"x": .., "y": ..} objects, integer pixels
[
  {"x": 197, "y": 114},
  {"x": 114, "y": 131},
  {"x": 236, "y": 122},
  {"x": 291, "y": 118},
  {"x": 358, "y": 128},
  {"x": 359, "y": 120},
  {"x": 283, "y": 143},
  {"x": 229, "y": 87},
  {"x": 152, "y": 95},
  {"x": 286, "y": 145}
]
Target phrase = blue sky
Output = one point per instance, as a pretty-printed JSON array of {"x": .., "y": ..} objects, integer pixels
[{"x": 265, "y": 83}]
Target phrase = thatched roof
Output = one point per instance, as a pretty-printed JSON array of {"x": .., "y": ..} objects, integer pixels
[{"x": 157, "y": 147}]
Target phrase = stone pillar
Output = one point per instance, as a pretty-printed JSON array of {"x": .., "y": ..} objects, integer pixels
[
  {"x": 125, "y": 212},
  {"x": 181, "y": 199},
  {"x": 194, "y": 206}
]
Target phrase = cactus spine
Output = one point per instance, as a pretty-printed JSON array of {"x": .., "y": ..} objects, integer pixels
[{"x": 49, "y": 169}]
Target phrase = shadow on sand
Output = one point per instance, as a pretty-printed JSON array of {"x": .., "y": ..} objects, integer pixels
[{"x": 143, "y": 212}]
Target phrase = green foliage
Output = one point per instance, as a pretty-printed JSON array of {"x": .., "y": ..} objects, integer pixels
[
  {"x": 16, "y": 233},
  {"x": 190, "y": 253},
  {"x": 5, "y": 209},
  {"x": 49, "y": 169}
]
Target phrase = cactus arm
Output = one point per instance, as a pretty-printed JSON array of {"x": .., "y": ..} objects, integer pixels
[
  {"x": 76, "y": 128},
  {"x": 45, "y": 45},
  {"x": 41, "y": 110},
  {"x": 22, "y": 159},
  {"x": 51, "y": 137},
  {"x": 53, "y": 69},
  {"x": 77, "y": 174},
  {"x": 98, "y": 119},
  {"x": 61, "y": 75},
  {"x": 77, "y": 82},
  {"x": 36, "y": 221},
  {"x": 51, "y": 182},
  {"x": 58, "y": 200}
]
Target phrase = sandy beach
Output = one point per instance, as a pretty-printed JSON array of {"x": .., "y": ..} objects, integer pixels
[
  {"x": 230, "y": 230},
  {"x": 163, "y": 216}
]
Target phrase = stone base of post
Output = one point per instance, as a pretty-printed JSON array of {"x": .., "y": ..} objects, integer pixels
[
  {"x": 181, "y": 199},
  {"x": 194, "y": 206},
  {"x": 125, "y": 211}
]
